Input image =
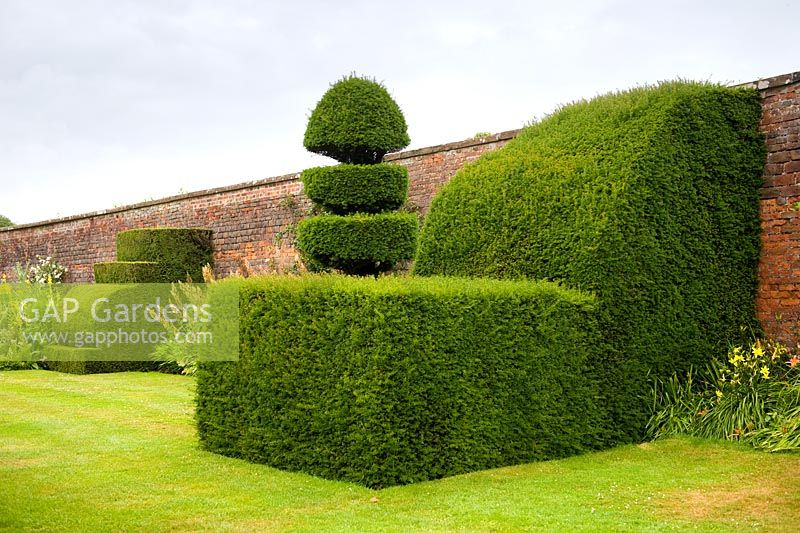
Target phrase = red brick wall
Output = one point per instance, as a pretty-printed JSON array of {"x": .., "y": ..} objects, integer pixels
[
  {"x": 247, "y": 219},
  {"x": 430, "y": 168},
  {"x": 778, "y": 300}
]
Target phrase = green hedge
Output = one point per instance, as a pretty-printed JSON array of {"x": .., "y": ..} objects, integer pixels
[
  {"x": 358, "y": 244},
  {"x": 182, "y": 252},
  {"x": 92, "y": 366},
  {"x": 398, "y": 380},
  {"x": 356, "y": 121},
  {"x": 158, "y": 255},
  {"x": 344, "y": 189},
  {"x": 131, "y": 272},
  {"x": 102, "y": 367},
  {"x": 151, "y": 255},
  {"x": 648, "y": 198}
]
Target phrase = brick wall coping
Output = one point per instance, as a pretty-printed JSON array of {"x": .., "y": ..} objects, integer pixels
[
  {"x": 770, "y": 83},
  {"x": 165, "y": 200},
  {"x": 476, "y": 141},
  {"x": 764, "y": 83},
  {"x": 466, "y": 143}
]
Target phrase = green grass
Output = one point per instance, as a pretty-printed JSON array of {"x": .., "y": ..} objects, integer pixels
[{"x": 119, "y": 452}]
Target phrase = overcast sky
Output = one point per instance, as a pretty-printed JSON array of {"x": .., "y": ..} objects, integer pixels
[{"x": 107, "y": 103}]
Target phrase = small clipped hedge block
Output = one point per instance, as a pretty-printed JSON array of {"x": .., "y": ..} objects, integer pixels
[
  {"x": 390, "y": 381},
  {"x": 83, "y": 366},
  {"x": 182, "y": 252},
  {"x": 101, "y": 367},
  {"x": 359, "y": 244},
  {"x": 356, "y": 121},
  {"x": 130, "y": 272},
  {"x": 345, "y": 189},
  {"x": 649, "y": 198}
]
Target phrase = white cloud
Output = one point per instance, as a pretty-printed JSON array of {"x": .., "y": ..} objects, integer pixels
[{"x": 104, "y": 103}]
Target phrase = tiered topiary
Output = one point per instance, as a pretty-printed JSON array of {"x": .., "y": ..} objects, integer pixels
[
  {"x": 357, "y": 122},
  {"x": 158, "y": 255}
]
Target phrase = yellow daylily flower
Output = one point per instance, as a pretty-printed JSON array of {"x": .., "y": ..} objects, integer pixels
[{"x": 758, "y": 351}]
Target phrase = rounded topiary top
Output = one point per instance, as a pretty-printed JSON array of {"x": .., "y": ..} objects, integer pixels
[{"x": 356, "y": 121}]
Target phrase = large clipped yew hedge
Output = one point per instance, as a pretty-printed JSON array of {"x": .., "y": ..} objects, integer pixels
[
  {"x": 397, "y": 380},
  {"x": 148, "y": 255},
  {"x": 649, "y": 198}
]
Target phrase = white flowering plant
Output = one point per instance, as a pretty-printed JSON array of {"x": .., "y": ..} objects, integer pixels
[{"x": 46, "y": 270}]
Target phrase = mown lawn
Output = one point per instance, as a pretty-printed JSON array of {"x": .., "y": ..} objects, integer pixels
[{"x": 119, "y": 452}]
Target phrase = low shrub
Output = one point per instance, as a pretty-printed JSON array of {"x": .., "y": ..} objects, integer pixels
[
  {"x": 344, "y": 189},
  {"x": 83, "y": 358},
  {"x": 359, "y": 244},
  {"x": 131, "y": 272},
  {"x": 101, "y": 367},
  {"x": 396, "y": 380},
  {"x": 21, "y": 365}
]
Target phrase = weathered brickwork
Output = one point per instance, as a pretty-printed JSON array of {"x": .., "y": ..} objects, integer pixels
[
  {"x": 248, "y": 219},
  {"x": 430, "y": 168},
  {"x": 778, "y": 300}
]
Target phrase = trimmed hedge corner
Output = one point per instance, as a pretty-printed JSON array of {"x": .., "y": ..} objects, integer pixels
[
  {"x": 649, "y": 198},
  {"x": 358, "y": 244},
  {"x": 344, "y": 189},
  {"x": 391, "y": 381}
]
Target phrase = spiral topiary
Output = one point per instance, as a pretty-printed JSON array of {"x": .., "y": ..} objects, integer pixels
[{"x": 356, "y": 122}]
